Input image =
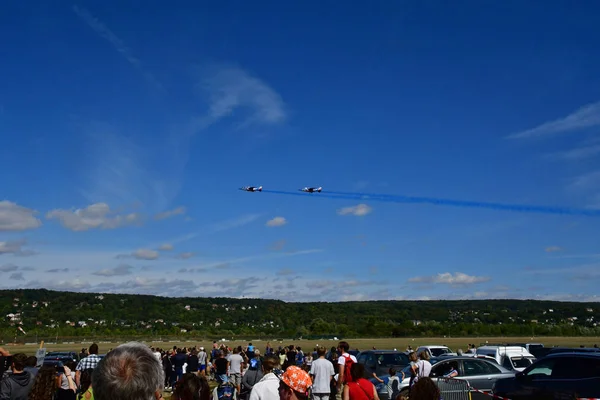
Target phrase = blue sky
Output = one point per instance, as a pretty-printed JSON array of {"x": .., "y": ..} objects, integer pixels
[{"x": 126, "y": 133}]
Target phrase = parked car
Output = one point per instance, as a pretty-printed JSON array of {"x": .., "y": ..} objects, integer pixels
[
  {"x": 380, "y": 361},
  {"x": 572, "y": 374},
  {"x": 435, "y": 351},
  {"x": 513, "y": 358},
  {"x": 480, "y": 373}
]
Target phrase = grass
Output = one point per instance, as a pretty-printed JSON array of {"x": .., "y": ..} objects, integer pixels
[{"x": 361, "y": 344}]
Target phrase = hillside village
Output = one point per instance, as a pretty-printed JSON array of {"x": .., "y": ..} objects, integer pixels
[{"x": 43, "y": 312}]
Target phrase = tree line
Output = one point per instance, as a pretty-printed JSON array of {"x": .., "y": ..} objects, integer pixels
[{"x": 46, "y": 313}]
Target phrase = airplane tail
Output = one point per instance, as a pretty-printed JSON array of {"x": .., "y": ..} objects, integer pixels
[
  {"x": 319, "y": 189},
  {"x": 260, "y": 188}
]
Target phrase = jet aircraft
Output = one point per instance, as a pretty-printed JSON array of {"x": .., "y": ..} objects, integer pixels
[
  {"x": 311, "y": 189},
  {"x": 252, "y": 188}
]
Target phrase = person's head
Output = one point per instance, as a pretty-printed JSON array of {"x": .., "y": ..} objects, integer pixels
[
  {"x": 425, "y": 389},
  {"x": 269, "y": 363},
  {"x": 94, "y": 348},
  {"x": 129, "y": 372},
  {"x": 191, "y": 387},
  {"x": 255, "y": 353},
  {"x": 357, "y": 371},
  {"x": 424, "y": 355},
  {"x": 236, "y": 350},
  {"x": 413, "y": 357},
  {"x": 19, "y": 361},
  {"x": 392, "y": 371},
  {"x": 343, "y": 346},
  {"x": 31, "y": 362},
  {"x": 321, "y": 351},
  {"x": 45, "y": 384},
  {"x": 459, "y": 352},
  {"x": 452, "y": 365},
  {"x": 85, "y": 379},
  {"x": 294, "y": 384}
]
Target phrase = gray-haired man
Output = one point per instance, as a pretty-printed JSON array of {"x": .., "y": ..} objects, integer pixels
[{"x": 129, "y": 372}]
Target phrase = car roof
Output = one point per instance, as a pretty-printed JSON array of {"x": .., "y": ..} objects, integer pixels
[
  {"x": 436, "y": 346},
  {"x": 383, "y": 351},
  {"x": 589, "y": 354},
  {"x": 474, "y": 358}
]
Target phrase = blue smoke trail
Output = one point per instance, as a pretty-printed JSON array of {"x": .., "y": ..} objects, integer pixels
[{"x": 446, "y": 202}]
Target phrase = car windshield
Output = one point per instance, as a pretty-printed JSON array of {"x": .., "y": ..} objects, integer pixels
[
  {"x": 440, "y": 351},
  {"x": 390, "y": 359},
  {"x": 521, "y": 362}
]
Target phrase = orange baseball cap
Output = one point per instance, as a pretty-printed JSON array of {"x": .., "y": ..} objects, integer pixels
[{"x": 297, "y": 379}]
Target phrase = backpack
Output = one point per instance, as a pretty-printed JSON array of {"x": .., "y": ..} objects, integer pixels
[
  {"x": 347, "y": 365},
  {"x": 393, "y": 387},
  {"x": 225, "y": 391},
  {"x": 300, "y": 358}
]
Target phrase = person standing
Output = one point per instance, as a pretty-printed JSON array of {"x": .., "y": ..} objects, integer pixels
[
  {"x": 202, "y": 361},
  {"x": 321, "y": 373},
  {"x": 345, "y": 362},
  {"x": 236, "y": 362}
]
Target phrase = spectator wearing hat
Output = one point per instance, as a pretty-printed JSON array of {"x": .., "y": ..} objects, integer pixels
[{"x": 294, "y": 384}]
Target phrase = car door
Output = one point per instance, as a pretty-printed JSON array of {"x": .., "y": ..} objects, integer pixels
[
  {"x": 533, "y": 383},
  {"x": 569, "y": 377},
  {"x": 479, "y": 374}
]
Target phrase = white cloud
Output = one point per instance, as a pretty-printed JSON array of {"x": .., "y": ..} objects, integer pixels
[
  {"x": 277, "y": 221},
  {"x": 145, "y": 254},
  {"x": 17, "y": 218},
  {"x": 95, "y": 216},
  {"x": 165, "y": 247},
  {"x": 122, "y": 269},
  {"x": 585, "y": 117},
  {"x": 170, "y": 213},
  {"x": 358, "y": 210},
  {"x": 552, "y": 249},
  {"x": 232, "y": 88},
  {"x": 458, "y": 278}
]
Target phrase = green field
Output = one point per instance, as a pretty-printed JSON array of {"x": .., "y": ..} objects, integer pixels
[{"x": 361, "y": 344}]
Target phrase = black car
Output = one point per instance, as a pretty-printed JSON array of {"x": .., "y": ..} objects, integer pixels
[
  {"x": 380, "y": 361},
  {"x": 568, "y": 373}
]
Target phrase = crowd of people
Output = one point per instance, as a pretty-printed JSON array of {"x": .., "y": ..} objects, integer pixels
[{"x": 135, "y": 371}]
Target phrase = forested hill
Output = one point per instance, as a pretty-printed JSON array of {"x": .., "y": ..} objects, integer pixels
[{"x": 79, "y": 314}]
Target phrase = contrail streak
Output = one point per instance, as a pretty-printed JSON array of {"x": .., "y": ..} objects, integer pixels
[{"x": 524, "y": 208}]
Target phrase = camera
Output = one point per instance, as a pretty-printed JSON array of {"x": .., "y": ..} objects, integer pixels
[{"x": 5, "y": 363}]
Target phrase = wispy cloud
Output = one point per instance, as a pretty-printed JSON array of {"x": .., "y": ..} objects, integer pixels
[
  {"x": 590, "y": 180},
  {"x": 359, "y": 210},
  {"x": 170, "y": 213},
  {"x": 235, "y": 222},
  {"x": 583, "y": 118},
  {"x": 122, "y": 269},
  {"x": 231, "y": 88},
  {"x": 15, "y": 247},
  {"x": 553, "y": 249},
  {"x": 119, "y": 170},
  {"x": 102, "y": 30},
  {"x": 577, "y": 154},
  {"x": 458, "y": 278},
  {"x": 277, "y": 221},
  {"x": 165, "y": 247}
]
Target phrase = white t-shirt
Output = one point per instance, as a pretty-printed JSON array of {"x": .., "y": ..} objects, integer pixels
[
  {"x": 342, "y": 359},
  {"x": 235, "y": 364},
  {"x": 322, "y": 370},
  {"x": 424, "y": 369}
]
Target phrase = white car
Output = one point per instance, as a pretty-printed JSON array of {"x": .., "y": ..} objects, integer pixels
[{"x": 436, "y": 351}]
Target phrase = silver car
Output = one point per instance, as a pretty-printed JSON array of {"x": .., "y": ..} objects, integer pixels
[{"x": 480, "y": 373}]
